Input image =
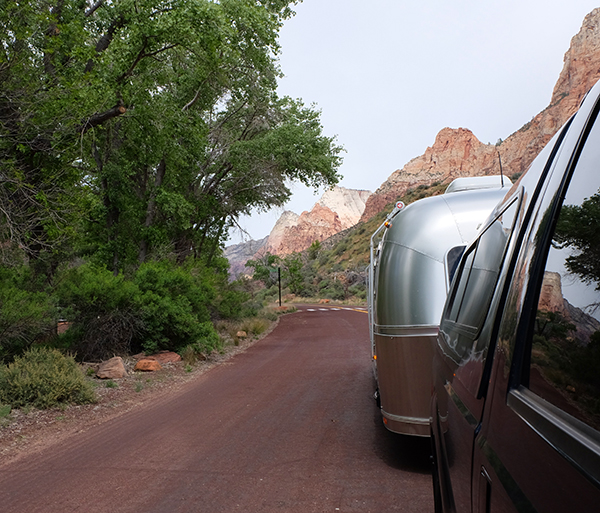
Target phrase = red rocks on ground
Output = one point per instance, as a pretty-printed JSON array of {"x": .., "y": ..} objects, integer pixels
[
  {"x": 147, "y": 365},
  {"x": 156, "y": 361},
  {"x": 112, "y": 369}
]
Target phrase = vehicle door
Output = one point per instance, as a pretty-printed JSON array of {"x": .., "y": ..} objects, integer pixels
[
  {"x": 463, "y": 348},
  {"x": 538, "y": 447}
]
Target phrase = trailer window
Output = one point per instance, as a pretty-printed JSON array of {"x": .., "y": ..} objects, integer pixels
[{"x": 452, "y": 261}]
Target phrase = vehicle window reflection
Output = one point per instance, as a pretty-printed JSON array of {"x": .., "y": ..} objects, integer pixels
[
  {"x": 565, "y": 357},
  {"x": 476, "y": 284}
]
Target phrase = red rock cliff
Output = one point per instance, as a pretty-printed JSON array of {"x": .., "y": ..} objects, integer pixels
[{"x": 457, "y": 152}]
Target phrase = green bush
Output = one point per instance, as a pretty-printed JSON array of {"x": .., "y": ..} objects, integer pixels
[
  {"x": 232, "y": 302},
  {"x": 267, "y": 294},
  {"x": 256, "y": 326},
  {"x": 207, "y": 342},
  {"x": 175, "y": 303},
  {"x": 332, "y": 289},
  {"x": 161, "y": 307},
  {"x": 44, "y": 378},
  {"x": 359, "y": 290},
  {"x": 25, "y": 316},
  {"x": 104, "y": 311}
]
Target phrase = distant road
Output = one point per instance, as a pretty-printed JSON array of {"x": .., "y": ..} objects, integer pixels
[{"x": 287, "y": 426}]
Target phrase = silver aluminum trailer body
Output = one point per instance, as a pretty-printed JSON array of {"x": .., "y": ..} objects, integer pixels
[{"x": 411, "y": 267}]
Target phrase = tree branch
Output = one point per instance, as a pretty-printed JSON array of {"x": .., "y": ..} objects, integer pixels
[
  {"x": 143, "y": 55},
  {"x": 52, "y": 31},
  {"x": 98, "y": 119},
  {"x": 106, "y": 39},
  {"x": 195, "y": 98},
  {"x": 93, "y": 8}
]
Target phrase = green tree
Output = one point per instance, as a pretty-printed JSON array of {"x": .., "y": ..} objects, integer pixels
[
  {"x": 292, "y": 275},
  {"x": 265, "y": 269},
  {"x": 152, "y": 123},
  {"x": 314, "y": 250}
]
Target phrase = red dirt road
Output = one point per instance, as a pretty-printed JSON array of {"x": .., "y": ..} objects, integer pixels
[{"x": 289, "y": 425}]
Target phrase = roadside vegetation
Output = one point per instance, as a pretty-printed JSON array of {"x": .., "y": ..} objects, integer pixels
[{"x": 133, "y": 135}]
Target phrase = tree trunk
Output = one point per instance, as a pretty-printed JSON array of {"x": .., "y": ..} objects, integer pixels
[{"x": 151, "y": 209}]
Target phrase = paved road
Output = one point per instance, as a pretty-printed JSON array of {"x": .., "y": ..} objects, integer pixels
[{"x": 288, "y": 426}]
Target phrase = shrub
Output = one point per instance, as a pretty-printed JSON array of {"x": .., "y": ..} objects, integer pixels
[
  {"x": 161, "y": 307},
  {"x": 5, "y": 410},
  {"x": 44, "y": 378},
  {"x": 207, "y": 342},
  {"x": 189, "y": 355},
  {"x": 175, "y": 305},
  {"x": 256, "y": 326},
  {"x": 359, "y": 290},
  {"x": 232, "y": 302},
  {"x": 25, "y": 316},
  {"x": 332, "y": 290},
  {"x": 103, "y": 309}
]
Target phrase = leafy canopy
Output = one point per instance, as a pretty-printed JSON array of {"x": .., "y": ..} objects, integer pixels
[{"x": 129, "y": 127}]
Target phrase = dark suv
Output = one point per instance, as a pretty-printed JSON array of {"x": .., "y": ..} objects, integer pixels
[{"x": 515, "y": 418}]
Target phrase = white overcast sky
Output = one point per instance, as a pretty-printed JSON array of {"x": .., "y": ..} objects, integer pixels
[{"x": 388, "y": 75}]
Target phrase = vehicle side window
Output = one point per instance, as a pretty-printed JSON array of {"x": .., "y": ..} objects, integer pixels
[
  {"x": 476, "y": 281},
  {"x": 565, "y": 349}
]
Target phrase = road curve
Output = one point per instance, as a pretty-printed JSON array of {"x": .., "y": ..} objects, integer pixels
[{"x": 289, "y": 426}]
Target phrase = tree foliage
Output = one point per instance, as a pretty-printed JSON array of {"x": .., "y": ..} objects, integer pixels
[
  {"x": 265, "y": 268},
  {"x": 147, "y": 124},
  {"x": 133, "y": 134}
]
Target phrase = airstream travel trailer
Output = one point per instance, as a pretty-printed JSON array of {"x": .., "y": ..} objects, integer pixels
[
  {"x": 413, "y": 256},
  {"x": 515, "y": 409}
]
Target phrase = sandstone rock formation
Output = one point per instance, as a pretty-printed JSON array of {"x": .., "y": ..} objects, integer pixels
[
  {"x": 551, "y": 297},
  {"x": 457, "y": 152},
  {"x": 552, "y": 300},
  {"x": 277, "y": 235},
  {"x": 147, "y": 365},
  {"x": 165, "y": 357},
  {"x": 338, "y": 209},
  {"x": 318, "y": 224},
  {"x": 239, "y": 254},
  {"x": 112, "y": 369},
  {"x": 349, "y": 204}
]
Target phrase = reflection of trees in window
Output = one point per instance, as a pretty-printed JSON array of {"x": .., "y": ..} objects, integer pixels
[
  {"x": 571, "y": 368},
  {"x": 566, "y": 341},
  {"x": 579, "y": 228}
]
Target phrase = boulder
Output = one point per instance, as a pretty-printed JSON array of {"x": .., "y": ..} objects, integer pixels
[
  {"x": 147, "y": 365},
  {"x": 112, "y": 369},
  {"x": 165, "y": 357}
]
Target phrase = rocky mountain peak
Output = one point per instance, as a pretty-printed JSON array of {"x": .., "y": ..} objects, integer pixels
[
  {"x": 349, "y": 204},
  {"x": 457, "y": 152},
  {"x": 338, "y": 209},
  {"x": 581, "y": 64}
]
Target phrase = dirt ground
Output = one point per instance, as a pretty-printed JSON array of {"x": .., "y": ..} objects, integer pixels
[{"x": 25, "y": 431}]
